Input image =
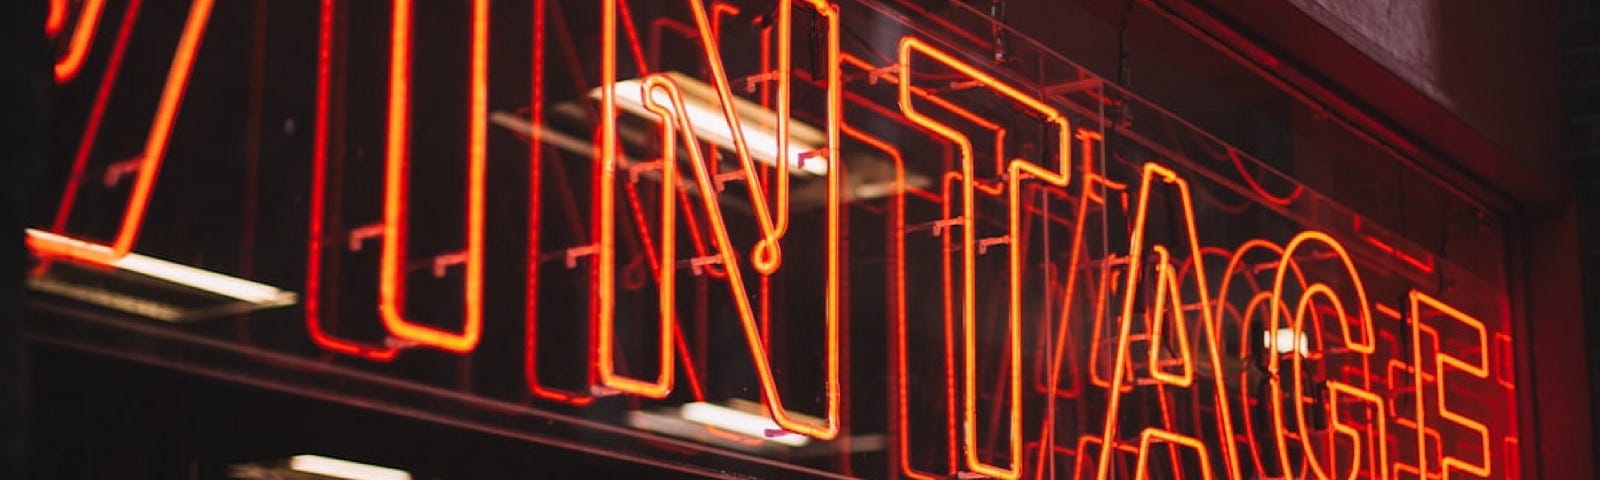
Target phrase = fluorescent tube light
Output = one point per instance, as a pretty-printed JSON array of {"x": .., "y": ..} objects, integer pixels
[
  {"x": 336, "y": 468},
  {"x": 704, "y": 109},
  {"x": 200, "y": 279},
  {"x": 1286, "y": 341},
  {"x": 747, "y": 424}
]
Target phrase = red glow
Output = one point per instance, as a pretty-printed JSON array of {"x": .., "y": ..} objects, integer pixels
[
  {"x": 1251, "y": 181},
  {"x": 1153, "y": 435},
  {"x": 1365, "y": 346},
  {"x": 1121, "y": 375},
  {"x": 155, "y": 150},
  {"x": 1091, "y": 181},
  {"x": 766, "y": 258},
  {"x": 902, "y": 396},
  {"x": 1379, "y": 437},
  {"x": 1164, "y": 296},
  {"x": 80, "y": 158},
  {"x": 530, "y": 351},
  {"x": 666, "y": 272},
  {"x": 1425, "y": 266},
  {"x": 391, "y": 287},
  {"x": 71, "y": 63},
  {"x": 1478, "y": 368},
  {"x": 1017, "y": 170},
  {"x": 319, "y": 195},
  {"x": 56, "y": 17},
  {"x": 1504, "y": 361},
  {"x": 1177, "y": 373}
]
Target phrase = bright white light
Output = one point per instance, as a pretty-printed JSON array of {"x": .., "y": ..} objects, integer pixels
[
  {"x": 232, "y": 287},
  {"x": 336, "y": 468},
  {"x": 704, "y": 110},
  {"x": 1286, "y": 340},
  {"x": 742, "y": 423}
]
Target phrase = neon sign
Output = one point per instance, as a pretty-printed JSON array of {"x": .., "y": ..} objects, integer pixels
[{"x": 725, "y": 201}]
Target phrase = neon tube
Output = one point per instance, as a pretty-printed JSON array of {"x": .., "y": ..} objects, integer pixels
[{"x": 391, "y": 286}]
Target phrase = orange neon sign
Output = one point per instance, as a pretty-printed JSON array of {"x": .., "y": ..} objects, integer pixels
[
  {"x": 1017, "y": 170},
  {"x": 1479, "y": 368},
  {"x": 317, "y": 242},
  {"x": 155, "y": 146},
  {"x": 77, "y": 48},
  {"x": 954, "y": 272},
  {"x": 1167, "y": 282},
  {"x": 773, "y": 217},
  {"x": 391, "y": 289}
]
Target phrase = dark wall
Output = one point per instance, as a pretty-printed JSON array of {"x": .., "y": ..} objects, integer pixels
[
  {"x": 1486, "y": 62},
  {"x": 1471, "y": 81},
  {"x": 1580, "y": 90},
  {"x": 169, "y": 425},
  {"x": 24, "y": 92}
]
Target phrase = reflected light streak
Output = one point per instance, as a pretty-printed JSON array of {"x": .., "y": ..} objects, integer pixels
[
  {"x": 336, "y": 468},
  {"x": 200, "y": 279},
  {"x": 747, "y": 424}
]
